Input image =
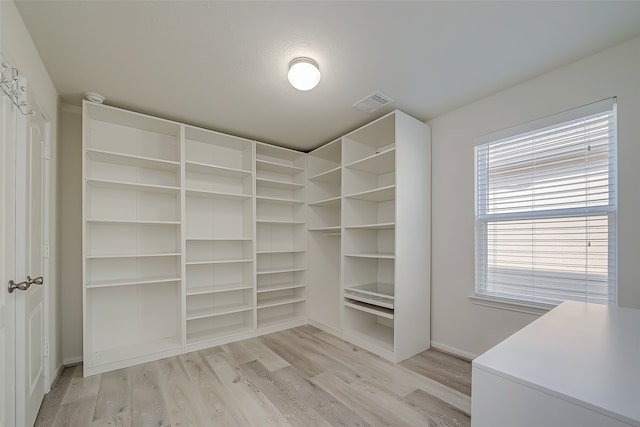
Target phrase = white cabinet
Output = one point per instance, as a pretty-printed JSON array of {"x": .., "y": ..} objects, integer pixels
[
  {"x": 219, "y": 262},
  {"x": 281, "y": 244},
  {"x": 131, "y": 239},
  {"x": 575, "y": 366},
  {"x": 386, "y": 236}
]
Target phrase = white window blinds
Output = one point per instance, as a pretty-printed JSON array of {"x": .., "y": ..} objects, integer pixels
[{"x": 546, "y": 210}]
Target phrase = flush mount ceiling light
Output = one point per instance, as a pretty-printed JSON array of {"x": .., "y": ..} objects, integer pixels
[{"x": 304, "y": 73}]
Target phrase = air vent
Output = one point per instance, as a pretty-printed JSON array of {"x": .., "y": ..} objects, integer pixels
[{"x": 373, "y": 102}]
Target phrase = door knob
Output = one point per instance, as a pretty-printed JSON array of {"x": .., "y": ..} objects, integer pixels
[
  {"x": 36, "y": 281},
  {"x": 23, "y": 286}
]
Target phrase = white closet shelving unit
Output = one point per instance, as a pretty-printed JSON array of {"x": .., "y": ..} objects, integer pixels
[
  {"x": 132, "y": 252},
  {"x": 324, "y": 195},
  {"x": 193, "y": 238},
  {"x": 219, "y": 230},
  {"x": 281, "y": 244},
  {"x": 386, "y": 236}
]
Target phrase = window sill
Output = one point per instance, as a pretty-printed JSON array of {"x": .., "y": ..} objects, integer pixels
[{"x": 537, "y": 309}]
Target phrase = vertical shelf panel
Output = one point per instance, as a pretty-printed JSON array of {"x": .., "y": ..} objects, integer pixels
[
  {"x": 386, "y": 237},
  {"x": 132, "y": 286},
  {"x": 324, "y": 196},
  {"x": 219, "y": 229},
  {"x": 281, "y": 241}
]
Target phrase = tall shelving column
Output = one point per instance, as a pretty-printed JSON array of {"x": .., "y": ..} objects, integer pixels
[
  {"x": 324, "y": 183},
  {"x": 386, "y": 236},
  {"x": 132, "y": 282},
  {"x": 281, "y": 294},
  {"x": 219, "y": 265}
]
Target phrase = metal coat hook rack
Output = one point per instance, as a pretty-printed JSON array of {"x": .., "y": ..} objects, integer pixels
[{"x": 15, "y": 87}]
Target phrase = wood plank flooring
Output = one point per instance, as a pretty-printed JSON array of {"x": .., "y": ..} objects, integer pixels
[{"x": 298, "y": 377}]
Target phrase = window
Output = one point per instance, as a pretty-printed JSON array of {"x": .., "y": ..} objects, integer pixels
[{"x": 546, "y": 209}]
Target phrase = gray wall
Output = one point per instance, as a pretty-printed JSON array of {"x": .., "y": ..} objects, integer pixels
[
  {"x": 470, "y": 329},
  {"x": 71, "y": 236}
]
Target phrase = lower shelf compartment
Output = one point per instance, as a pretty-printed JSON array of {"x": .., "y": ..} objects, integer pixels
[
  {"x": 212, "y": 328},
  {"x": 133, "y": 351},
  {"x": 280, "y": 314},
  {"x": 368, "y": 329},
  {"x": 131, "y": 322}
]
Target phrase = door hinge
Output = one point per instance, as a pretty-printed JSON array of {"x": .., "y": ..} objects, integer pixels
[
  {"x": 46, "y": 153},
  {"x": 45, "y": 251},
  {"x": 46, "y": 349}
]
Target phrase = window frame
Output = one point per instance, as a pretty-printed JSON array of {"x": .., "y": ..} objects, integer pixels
[{"x": 481, "y": 219}]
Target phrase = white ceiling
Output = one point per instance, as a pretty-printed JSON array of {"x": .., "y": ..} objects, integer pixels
[{"x": 223, "y": 65}]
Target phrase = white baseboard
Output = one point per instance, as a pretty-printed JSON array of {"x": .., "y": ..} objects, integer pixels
[
  {"x": 72, "y": 361},
  {"x": 56, "y": 374},
  {"x": 453, "y": 350},
  {"x": 326, "y": 329}
]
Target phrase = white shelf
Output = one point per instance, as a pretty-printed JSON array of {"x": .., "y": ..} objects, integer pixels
[
  {"x": 131, "y": 160},
  {"x": 382, "y": 194},
  {"x": 131, "y": 221},
  {"x": 131, "y": 282},
  {"x": 150, "y": 255},
  {"x": 379, "y": 163},
  {"x": 280, "y": 287},
  {"x": 332, "y": 202},
  {"x": 217, "y": 195},
  {"x": 369, "y": 308},
  {"x": 279, "y": 222},
  {"x": 335, "y": 229},
  {"x": 332, "y": 176},
  {"x": 272, "y": 302},
  {"x": 218, "y": 239},
  {"x": 279, "y": 200},
  {"x": 279, "y": 251},
  {"x": 106, "y": 183},
  {"x": 225, "y": 261},
  {"x": 281, "y": 168},
  {"x": 281, "y": 270},
  {"x": 134, "y": 351},
  {"x": 216, "y": 333},
  {"x": 384, "y": 290},
  {"x": 379, "y": 255},
  {"x": 203, "y": 290},
  {"x": 281, "y": 185},
  {"x": 370, "y": 299},
  {"x": 216, "y": 170},
  {"x": 217, "y": 311},
  {"x": 379, "y": 226}
]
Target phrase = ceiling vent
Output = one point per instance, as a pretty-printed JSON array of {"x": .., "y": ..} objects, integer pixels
[{"x": 373, "y": 102}]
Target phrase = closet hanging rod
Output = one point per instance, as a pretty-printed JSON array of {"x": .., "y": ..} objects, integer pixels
[{"x": 14, "y": 86}]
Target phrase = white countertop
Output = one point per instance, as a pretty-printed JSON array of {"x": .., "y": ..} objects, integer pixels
[{"x": 587, "y": 354}]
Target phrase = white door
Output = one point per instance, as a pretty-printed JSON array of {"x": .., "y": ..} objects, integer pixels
[
  {"x": 30, "y": 267},
  {"x": 23, "y": 222},
  {"x": 7, "y": 261}
]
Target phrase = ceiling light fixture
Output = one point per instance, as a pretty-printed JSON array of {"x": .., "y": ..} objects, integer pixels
[{"x": 304, "y": 73}]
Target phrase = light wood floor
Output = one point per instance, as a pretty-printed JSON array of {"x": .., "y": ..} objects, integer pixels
[{"x": 298, "y": 377}]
